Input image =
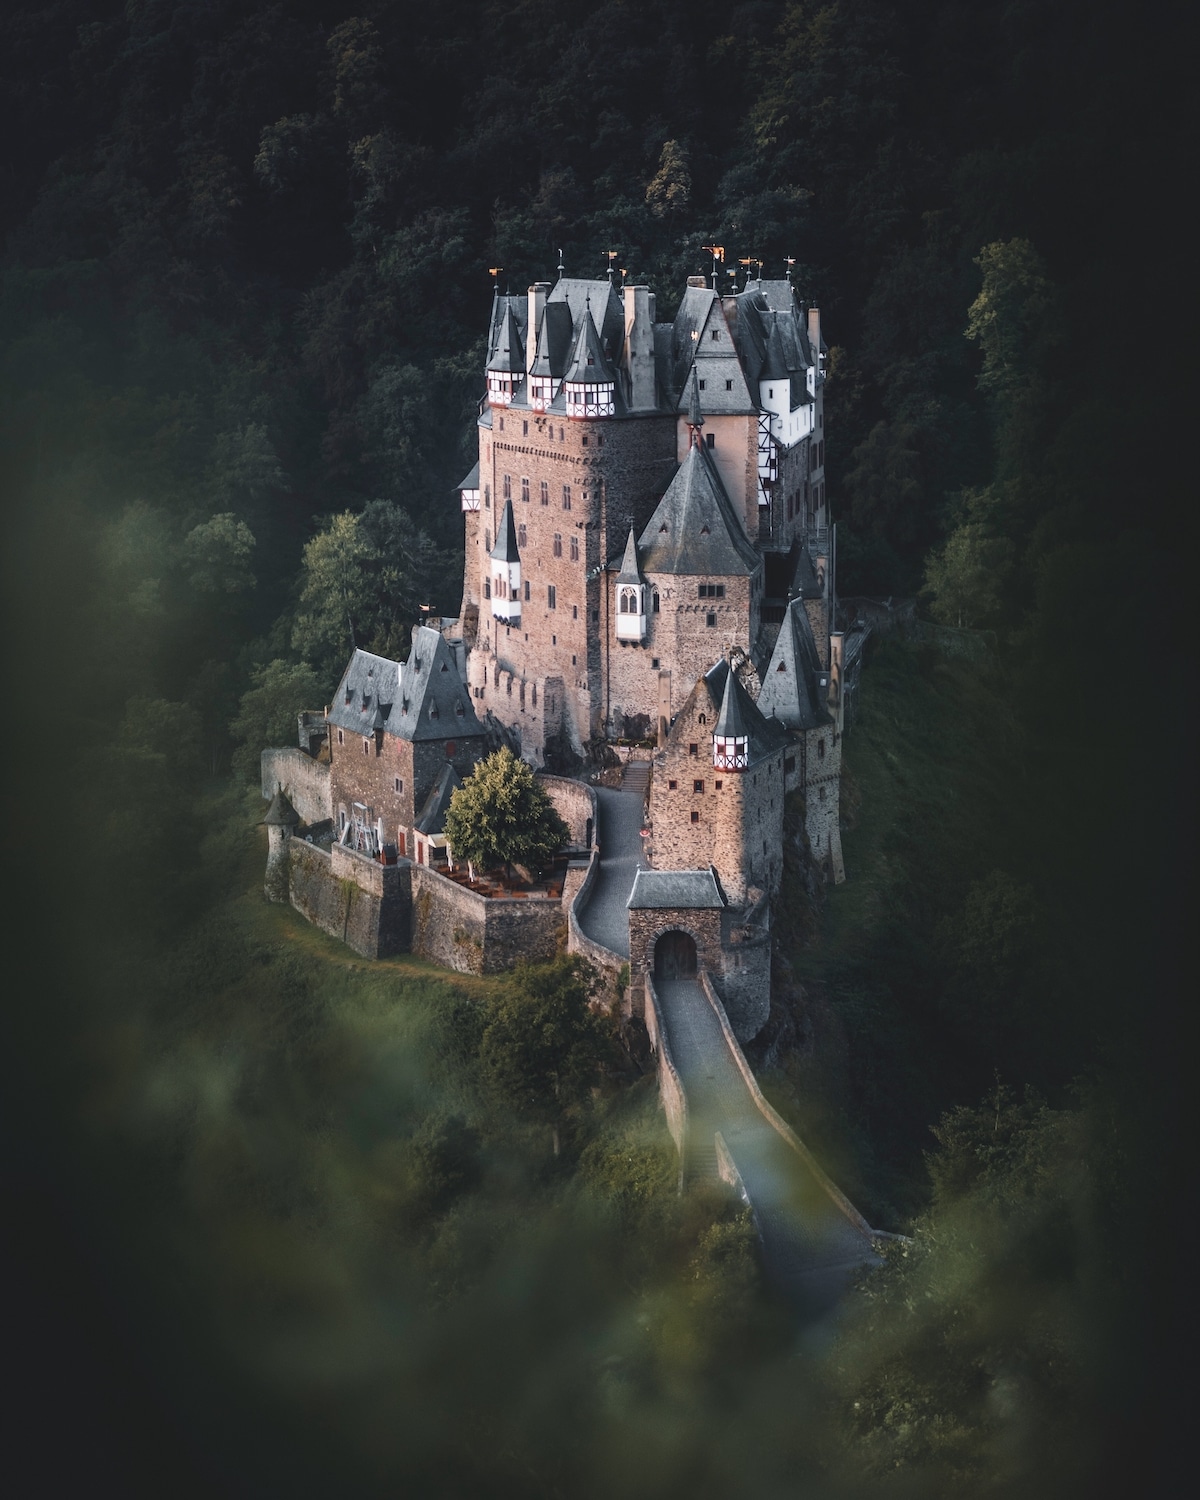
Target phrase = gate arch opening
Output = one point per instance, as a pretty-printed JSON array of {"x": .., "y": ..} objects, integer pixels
[{"x": 675, "y": 955}]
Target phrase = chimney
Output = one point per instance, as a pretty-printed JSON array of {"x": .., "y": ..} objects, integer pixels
[
  {"x": 698, "y": 281},
  {"x": 814, "y": 335},
  {"x": 537, "y": 305},
  {"x": 639, "y": 347}
]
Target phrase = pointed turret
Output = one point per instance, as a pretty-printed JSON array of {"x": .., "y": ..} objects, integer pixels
[
  {"x": 506, "y": 366},
  {"x": 506, "y": 571},
  {"x": 731, "y": 737},
  {"x": 591, "y": 382},
  {"x": 695, "y": 528},
  {"x": 631, "y": 595}
]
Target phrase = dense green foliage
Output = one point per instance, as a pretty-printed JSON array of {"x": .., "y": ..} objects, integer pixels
[
  {"x": 243, "y": 290},
  {"x": 502, "y": 816}
]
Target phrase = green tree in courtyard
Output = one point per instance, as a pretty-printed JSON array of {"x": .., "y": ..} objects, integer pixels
[{"x": 502, "y": 816}]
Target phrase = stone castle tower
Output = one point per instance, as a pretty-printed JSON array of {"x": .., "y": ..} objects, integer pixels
[{"x": 649, "y": 555}]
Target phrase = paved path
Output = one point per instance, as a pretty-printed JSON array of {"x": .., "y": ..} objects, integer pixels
[
  {"x": 810, "y": 1248},
  {"x": 605, "y": 919}
]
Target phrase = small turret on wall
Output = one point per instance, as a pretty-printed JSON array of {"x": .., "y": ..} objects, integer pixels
[{"x": 281, "y": 821}]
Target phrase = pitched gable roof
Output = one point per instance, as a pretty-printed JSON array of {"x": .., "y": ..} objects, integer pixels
[
  {"x": 553, "y": 347},
  {"x": 676, "y": 890},
  {"x": 694, "y": 528},
  {"x": 433, "y": 703},
  {"x": 588, "y": 364},
  {"x": 369, "y": 687},
  {"x": 791, "y": 690},
  {"x": 606, "y": 308}
]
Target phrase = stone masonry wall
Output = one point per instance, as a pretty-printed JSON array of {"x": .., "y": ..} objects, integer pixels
[
  {"x": 370, "y": 777},
  {"x": 474, "y": 934},
  {"x": 305, "y": 782},
  {"x": 575, "y": 802},
  {"x": 646, "y": 927},
  {"x": 372, "y": 919},
  {"x": 630, "y": 460}
]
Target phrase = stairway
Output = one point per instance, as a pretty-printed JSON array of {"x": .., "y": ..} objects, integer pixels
[
  {"x": 636, "y": 778},
  {"x": 701, "y": 1158}
]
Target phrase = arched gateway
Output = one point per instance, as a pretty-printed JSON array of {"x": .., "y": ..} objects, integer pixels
[{"x": 675, "y": 956}]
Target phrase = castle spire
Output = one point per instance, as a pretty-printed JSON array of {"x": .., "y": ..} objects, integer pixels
[{"x": 695, "y": 415}]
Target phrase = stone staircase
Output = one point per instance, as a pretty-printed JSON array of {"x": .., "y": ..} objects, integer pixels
[{"x": 636, "y": 778}]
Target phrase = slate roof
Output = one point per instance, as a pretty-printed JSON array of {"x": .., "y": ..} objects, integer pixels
[
  {"x": 369, "y": 683},
  {"x": 606, "y": 307},
  {"x": 791, "y": 691},
  {"x": 765, "y": 735},
  {"x": 630, "y": 572},
  {"x": 281, "y": 813},
  {"x": 471, "y": 481},
  {"x": 588, "y": 364},
  {"x": 733, "y": 722},
  {"x": 676, "y": 890},
  {"x": 508, "y": 353},
  {"x": 432, "y": 817},
  {"x": 554, "y": 338},
  {"x": 423, "y": 699},
  {"x": 505, "y": 549},
  {"x": 694, "y": 528}
]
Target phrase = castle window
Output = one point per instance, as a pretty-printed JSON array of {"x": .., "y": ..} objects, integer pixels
[
  {"x": 693, "y": 749},
  {"x": 560, "y": 434},
  {"x": 558, "y": 544},
  {"x": 459, "y": 711},
  {"x": 534, "y": 695},
  {"x": 710, "y": 619},
  {"x": 572, "y": 659},
  {"x": 716, "y": 335},
  {"x": 567, "y": 495},
  {"x": 544, "y": 494},
  {"x": 574, "y": 549},
  {"x": 487, "y": 497},
  {"x": 527, "y": 590},
  {"x": 654, "y": 663},
  {"x": 821, "y": 793},
  {"x": 433, "y": 711},
  {"x": 704, "y": 718},
  {"x": 574, "y": 611},
  {"x": 524, "y": 429},
  {"x": 595, "y": 616},
  {"x": 729, "y": 385},
  {"x": 525, "y": 489},
  {"x": 718, "y": 785},
  {"x": 703, "y": 384},
  {"x": 712, "y": 591},
  {"x": 341, "y": 738},
  {"x": 654, "y": 596},
  {"x": 672, "y": 786},
  {"x": 366, "y": 747},
  {"x": 551, "y": 596},
  {"x": 501, "y": 424},
  {"x": 821, "y": 749},
  {"x": 697, "y": 786},
  {"x": 402, "y": 844},
  {"x": 710, "y": 439},
  {"x": 522, "y": 538},
  {"x": 695, "y": 817}
]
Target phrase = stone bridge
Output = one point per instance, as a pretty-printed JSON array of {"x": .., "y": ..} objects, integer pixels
[{"x": 813, "y": 1239}]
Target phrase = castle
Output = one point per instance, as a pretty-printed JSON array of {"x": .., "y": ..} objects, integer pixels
[{"x": 649, "y": 560}]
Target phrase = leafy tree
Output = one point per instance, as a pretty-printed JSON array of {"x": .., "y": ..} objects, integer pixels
[
  {"x": 966, "y": 577},
  {"x": 269, "y": 709},
  {"x": 669, "y": 191},
  {"x": 542, "y": 1044},
  {"x": 502, "y": 816},
  {"x": 218, "y": 555}
]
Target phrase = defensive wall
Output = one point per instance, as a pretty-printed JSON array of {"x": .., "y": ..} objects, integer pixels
[
  {"x": 670, "y": 1085},
  {"x": 460, "y": 929},
  {"x": 363, "y": 904},
  {"x": 575, "y": 803},
  {"x": 305, "y": 782}
]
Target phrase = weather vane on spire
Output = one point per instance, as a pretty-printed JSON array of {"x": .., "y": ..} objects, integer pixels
[
  {"x": 611, "y": 255},
  {"x": 562, "y": 270},
  {"x": 718, "y": 254}
]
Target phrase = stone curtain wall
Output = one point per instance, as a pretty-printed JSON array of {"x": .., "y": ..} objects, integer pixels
[
  {"x": 474, "y": 934},
  {"x": 364, "y": 906},
  {"x": 305, "y": 782},
  {"x": 370, "y": 778},
  {"x": 575, "y": 803},
  {"x": 670, "y": 1085},
  {"x": 576, "y": 895},
  {"x": 745, "y": 979},
  {"x": 822, "y": 794}
]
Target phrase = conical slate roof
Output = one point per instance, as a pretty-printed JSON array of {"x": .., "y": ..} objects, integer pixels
[
  {"x": 471, "y": 481},
  {"x": 791, "y": 690},
  {"x": 733, "y": 722},
  {"x": 775, "y": 364},
  {"x": 281, "y": 813},
  {"x": 505, "y": 549},
  {"x": 629, "y": 562},
  {"x": 589, "y": 366},
  {"x": 509, "y": 353},
  {"x": 553, "y": 348},
  {"x": 695, "y": 529},
  {"x": 695, "y": 415}
]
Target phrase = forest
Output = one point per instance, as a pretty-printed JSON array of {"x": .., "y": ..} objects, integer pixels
[{"x": 285, "y": 1222}]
